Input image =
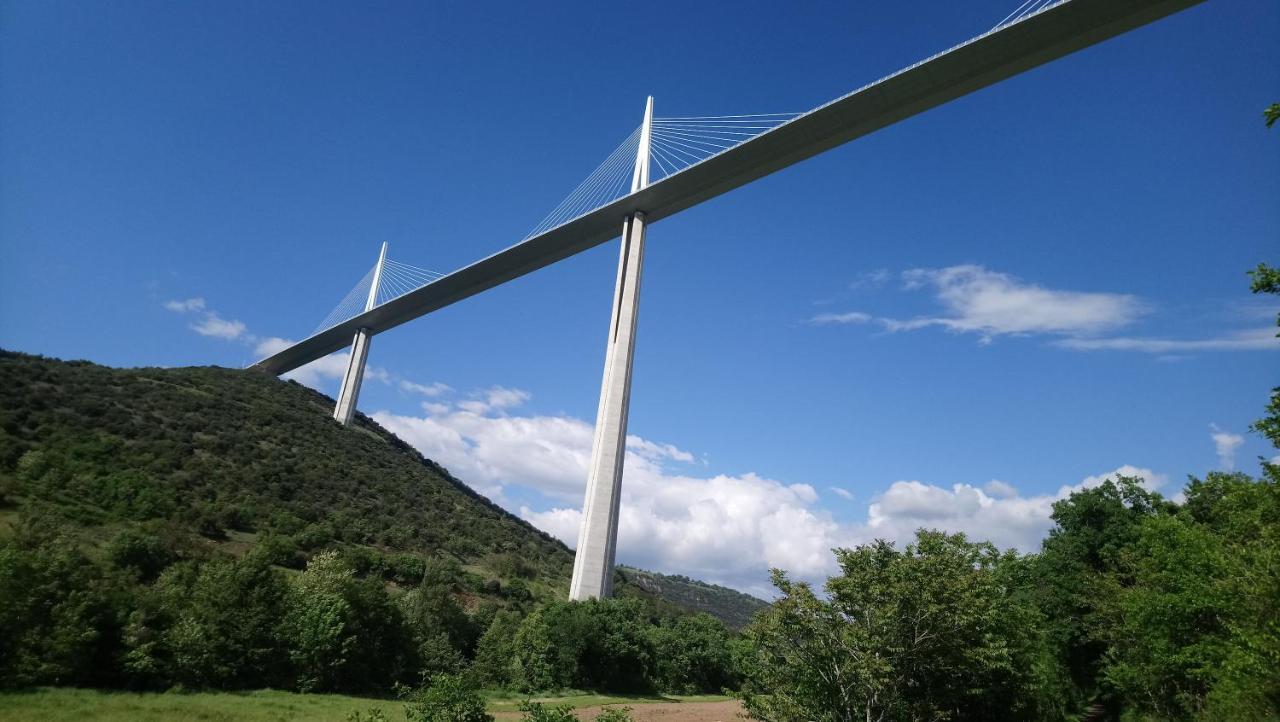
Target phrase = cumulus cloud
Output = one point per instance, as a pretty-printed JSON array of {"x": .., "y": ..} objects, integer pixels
[
  {"x": 999, "y": 489},
  {"x": 1225, "y": 444},
  {"x": 725, "y": 528},
  {"x": 996, "y": 512}
]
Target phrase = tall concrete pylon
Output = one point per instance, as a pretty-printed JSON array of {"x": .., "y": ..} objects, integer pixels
[
  {"x": 349, "y": 393},
  {"x": 598, "y": 536}
]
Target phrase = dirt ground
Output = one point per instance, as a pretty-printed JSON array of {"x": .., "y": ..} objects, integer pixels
[{"x": 729, "y": 711}]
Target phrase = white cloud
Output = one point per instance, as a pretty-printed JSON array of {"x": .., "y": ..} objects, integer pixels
[
  {"x": 991, "y": 304},
  {"x": 841, "y": 492},
  {"x": 849, "y": 317},
  {"x": 190, "y": 304},
  {"x": 214, "y": 325},
  {"x": 494, "y": 398},
  {"x": 723, "y": 528},
  {"x": 1225, "y": 444},
  {"x": 429, "y": 390},
  {"x": 210, "y": 323},
  {"x": 1261, "y": 339},
  {"x": 997, "y": 512},
  {"x": 999, "y": 489},
  {"x": 870, "y": 279}
]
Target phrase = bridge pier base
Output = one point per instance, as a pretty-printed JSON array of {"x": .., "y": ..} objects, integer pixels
[
  {"x": 349, "y": 392},
  {"x": 598, "y": 535}
]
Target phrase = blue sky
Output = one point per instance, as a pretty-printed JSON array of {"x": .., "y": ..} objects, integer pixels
[{"x": 1036, "y": 284}]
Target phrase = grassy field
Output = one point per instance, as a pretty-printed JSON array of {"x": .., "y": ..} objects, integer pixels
[{"x": 65, "y": 705}]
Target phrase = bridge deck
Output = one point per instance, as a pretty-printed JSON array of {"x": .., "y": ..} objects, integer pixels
[{"x": 968, "y": 67}]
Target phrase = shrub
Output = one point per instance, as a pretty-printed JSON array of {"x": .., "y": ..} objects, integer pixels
[
  {"x": 538, "y": 712},
  {"x": 449, "y": 698},
  {"x": 614, "y": 714}
]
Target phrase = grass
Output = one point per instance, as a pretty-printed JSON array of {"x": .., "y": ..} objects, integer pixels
[
  {"x": 57, "y": 705},
  {"x": 65, "y": 705}
]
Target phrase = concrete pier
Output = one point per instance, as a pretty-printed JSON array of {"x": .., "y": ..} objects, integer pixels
[
  {"x": 349, "y": 392},
  {"x": 598, "y": 536}
]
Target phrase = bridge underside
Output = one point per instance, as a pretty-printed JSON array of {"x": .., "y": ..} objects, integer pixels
[{"x": 968, "y": 67}]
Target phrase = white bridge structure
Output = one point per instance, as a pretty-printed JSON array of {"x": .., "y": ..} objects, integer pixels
[{"x": 673, "y": 163}]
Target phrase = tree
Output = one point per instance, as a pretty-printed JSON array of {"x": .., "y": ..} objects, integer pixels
[
  {"x": 221, "y": 623},
  {"x": 319, "y": 624},
  {"x": 60, "y": 614},
  {"x": 1081, "y": 570},
  {"x": 496, "y": 649},
  {"x": 1196, "y": 636},
  {"x": 1266, "y": 279},
  {"x": 597, "y": 644},
  {"x": 692, "y": 654},
  {"x": 928, "y": 632}
]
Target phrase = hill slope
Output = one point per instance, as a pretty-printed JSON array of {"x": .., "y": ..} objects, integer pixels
[{"x": 238, "y": 456}]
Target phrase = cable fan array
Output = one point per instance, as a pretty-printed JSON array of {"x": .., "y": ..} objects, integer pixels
[
  {"x": 678, "y": 143},
  {"x": 397, "y": 279},
  {"x": 1026, "y": 9},
  {"x": 610, "y": 181}
]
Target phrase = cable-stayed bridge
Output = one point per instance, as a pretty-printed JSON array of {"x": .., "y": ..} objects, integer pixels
[{"x": 666, "y": 165}]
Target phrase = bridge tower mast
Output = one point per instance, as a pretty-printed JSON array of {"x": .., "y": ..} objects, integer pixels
[
  {"x": 349, "y": 393},
  {"x": 598, "y": 536}
]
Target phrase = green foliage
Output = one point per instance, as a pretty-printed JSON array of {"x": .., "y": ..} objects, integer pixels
[
  {"x": 531, "y": 711},
  {"x": 933, "y": 631},
  {"x": 1271, "y": 114},
  {"x": 1197, "y": 636},
  {"x": 58, "y": 613},
  {"x": 159, "y": 508},
  {"x": 448, "y": 698},
  {"x": 614, "y": 714},
  {"x": 221, "y": 621},
  {"x": 496, "y": 650},
  {"x": 374, "y": 714},
  {"x": 692, "y": 654},
  {"x": 597, "y": 644},
  {"x": 730, "y": 606},
  {"x": 141, "y": 551},
  {"x": 342, "y": 632},
  {"x": 1266, "y": 279},
  {"x": 221, "y": 450}
]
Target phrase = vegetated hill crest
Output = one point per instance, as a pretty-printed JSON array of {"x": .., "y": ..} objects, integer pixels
[{"x": 234, "y": 455}]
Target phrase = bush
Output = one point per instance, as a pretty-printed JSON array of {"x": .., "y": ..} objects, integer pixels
[
  {"x": 538, "y": 712},
  {"x": 614, "y": 714},
  {"x": 449, "y": 698},
  {"x": 598, "y": 644}
]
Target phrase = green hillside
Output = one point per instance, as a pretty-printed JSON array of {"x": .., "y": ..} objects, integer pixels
[
  {"x": 242, "y": 459},
  {"x": 728, "y": 605}
]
